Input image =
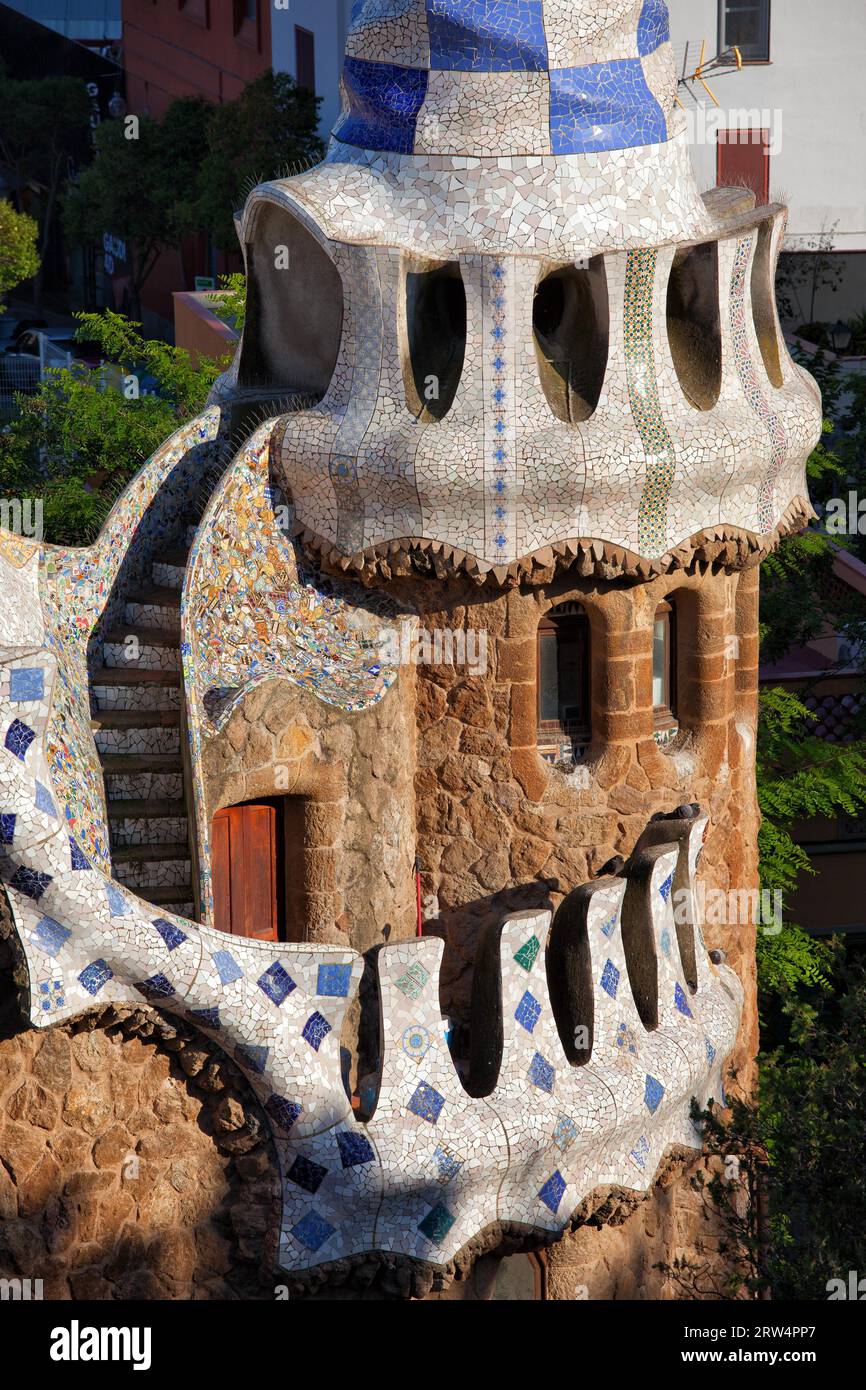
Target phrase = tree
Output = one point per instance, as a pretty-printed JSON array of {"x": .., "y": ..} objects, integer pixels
[
  {"x": 269, "y": 129},
  {"x": 44, "y": 126},
  {"x": 19, "y": 258},
  {"x": 142, "y": 185},
  {"x": 78, "y": 441},
  {"x": 804, "y": 273}
]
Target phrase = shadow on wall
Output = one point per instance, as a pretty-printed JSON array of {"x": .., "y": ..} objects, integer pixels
[{"x": 134, "y": 1161}]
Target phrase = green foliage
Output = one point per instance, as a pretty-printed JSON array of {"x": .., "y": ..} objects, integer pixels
[
  {"x": 19, "y": 258},
  {"x": 230, "y": 300},
  {"x": 78, "y": 441},
  {"x": 142, "y": 189},
  {"x": 267, "y": 130}
]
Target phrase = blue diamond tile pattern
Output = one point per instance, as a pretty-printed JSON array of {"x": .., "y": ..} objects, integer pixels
[
  {"x": 50, "y": 936},
  {"x": 171, "y": 935},
  {"x": 227, "y": 967},
  {"x": 313, "y": 1230},
  {"x": 653, "y": 1092},
  {"x": 315, "y": 1030},
  {"x": 26, "y": 684},
  {"x": 94, "y": 976},
  {"x": 276, "y": 983},
  {"x": 283, "y": 1112},
  {"x": 528, "y": 1012},
  {"x": 681, "y": 1001},
  {"x": 19, "y": 737},
  {"x": 426, "y": 1103},
  {"x": 610, "y": 979},
  {"x": 307, "y": 1174},
  {"x": 553, "y": 1191},
  {"x": 541, "y": 1073},
  {"x": 355, "y": 1149}
]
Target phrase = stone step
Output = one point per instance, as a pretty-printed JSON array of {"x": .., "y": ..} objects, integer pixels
[
  {"x": 144, "y": 786},
  {"x": 169, "y": 569},
  {"x": 143, "y": 807},
  {"x": 167, "y": 894},
  {"x": 137, "y": 738},
  {"x": 135, "y": 719},
  {"x": 150, "y": 854},
  {"x": 153, "y": 606},
  {"x": 149, "y": 828},
  {"x": 142, "y": 649},
  {"x": 120, "y": 688},
  {"x": 138, "y": 762}
]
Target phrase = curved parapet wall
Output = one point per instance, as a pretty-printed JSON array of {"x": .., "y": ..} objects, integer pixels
[{"x": 698, "y": 430}]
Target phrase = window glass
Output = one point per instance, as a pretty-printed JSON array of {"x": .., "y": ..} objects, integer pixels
[{"x": 745, "y": 24}]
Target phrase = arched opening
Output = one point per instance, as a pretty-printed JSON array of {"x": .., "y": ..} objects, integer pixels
[
  {"x": 665, "y": 726},
  {"x": 694, "y": 323},
  {"x": 571, "y": 322},
  {"x": 562, "y": 684},
  {"x": 434, "y": 338},
  {"x": 294, "y": 309},
  {"x": 763, "y": 304},
  {"x": 266, "y": 865}
]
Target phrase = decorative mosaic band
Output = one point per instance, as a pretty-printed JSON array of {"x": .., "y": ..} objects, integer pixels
[
  {"x": 428, "y": 76},
  {"x": 646, "y": 408}
]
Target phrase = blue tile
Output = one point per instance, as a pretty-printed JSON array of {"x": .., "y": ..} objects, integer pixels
[
  {"x": 50, "y": 936},
  {"x": 276, "y": 983},
  {"x": 30, "y": 882},
  {"x": 553, "y": 1191},
  {"x": 528, "y": 1012},
  {"x": 354, "y": 1149},
  {"x": 605, "y": 106},
  {"x": 681, "y": 1001},
  {"x": 710, "y": 1051},
  {"x": 282, "y": 1112},
  {"x": 256, "y": 1058},
  {"x": 43, "y": 801},
  {"x": 426, "y": 1103},
  {"x": 610, "y": 979},
  {"x": 117, "y": 904},
  {"x": 7, "y": 827},
  {"x": 564, "y": 1133},
  {"x": 206, "y": 1018},
  {"x": 383, "y": 101},
  {"x": 315, "y": 1030},
  {"x": 156, "y": 987},
  {"x": 653, "y": 1092},
  {"x": 437, "y": 1223},
  {"x": 313, "y": 1230},
  {"x": 307, "y": 1174},
  {"x": 448, "y": 1166},
  {"x": 665, "y": 888},
  {"x": 640, "y": 1152},
  {"x": 227, "y": 967},
  {"x": 541, "y": 1073},
  {"x": 607, "y": 928},
  {"x": 653, "y": 27},
  {"x": 334, "y": 980},
  {"x": 487, "y": 35},
  {"x": 18, "y": 739},
  {"x": 171, "y": 935},
  {"x": 26, "y": 683},
  {"x": 95, "y": 975},
  {"x": 78, "y": 857}
]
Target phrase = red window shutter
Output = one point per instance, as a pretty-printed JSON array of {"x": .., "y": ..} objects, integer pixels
[
  {"x": 244, "y": 862},
  {"x": 744, "y": 161}
]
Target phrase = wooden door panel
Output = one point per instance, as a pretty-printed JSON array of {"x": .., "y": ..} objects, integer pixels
[{"x": 244, "y": 858}]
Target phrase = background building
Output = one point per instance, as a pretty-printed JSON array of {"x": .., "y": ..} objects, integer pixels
[
  {"x": 92, "y": 22},
  {"x": 801, "y": 97},
  {"x": 308, "y": 41}
]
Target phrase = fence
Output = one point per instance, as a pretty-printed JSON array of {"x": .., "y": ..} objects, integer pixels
[{"x": 21, "y": 373}]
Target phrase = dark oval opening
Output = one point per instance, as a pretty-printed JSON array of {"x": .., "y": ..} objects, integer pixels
[
  {"x": 294, "y": 317},
  {"x": 435, "y": 339},
  {"x": 763, "y": 304},
  {"x": 694, "y": 324},
  {"x": 571, "y": 321}
]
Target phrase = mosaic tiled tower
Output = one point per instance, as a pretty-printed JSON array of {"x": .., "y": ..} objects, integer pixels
[{"x": 539, "y": 394}]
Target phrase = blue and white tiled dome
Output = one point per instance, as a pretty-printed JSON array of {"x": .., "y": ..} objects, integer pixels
[{"x": 547, "y": 126}]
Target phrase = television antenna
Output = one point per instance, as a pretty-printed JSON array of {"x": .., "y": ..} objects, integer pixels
[{"x": 696, "y": 74}]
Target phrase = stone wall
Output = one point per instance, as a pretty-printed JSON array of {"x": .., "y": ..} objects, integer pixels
[
  {"x": 134, "y": 1161},
  {"x": 499, "y": 829},
  {"x": 354, "y": 864}
]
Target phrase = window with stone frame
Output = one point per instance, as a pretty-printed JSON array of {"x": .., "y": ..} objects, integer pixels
[
  {"x": 665, "y": 670},
  {"x": 563, "y": 717},
  {"x": 745, "y": 24}
]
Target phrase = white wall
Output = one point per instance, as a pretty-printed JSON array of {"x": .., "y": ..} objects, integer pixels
[
  {"x": 328, "y": 20},
  {"x": 815, "y": 83}
]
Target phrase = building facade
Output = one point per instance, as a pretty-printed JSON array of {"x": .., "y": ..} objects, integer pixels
[
  {"x": 800, "y": 98},
  {"x": 363, "y": 785}
]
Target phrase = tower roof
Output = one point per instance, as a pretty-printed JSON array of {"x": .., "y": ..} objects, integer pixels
[{"x": 507, "y": 125}]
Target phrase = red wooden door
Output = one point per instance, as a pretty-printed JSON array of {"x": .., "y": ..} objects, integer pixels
[
  {"x": 744, "y": 161},
  {"x": 244, "y": 860}
]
